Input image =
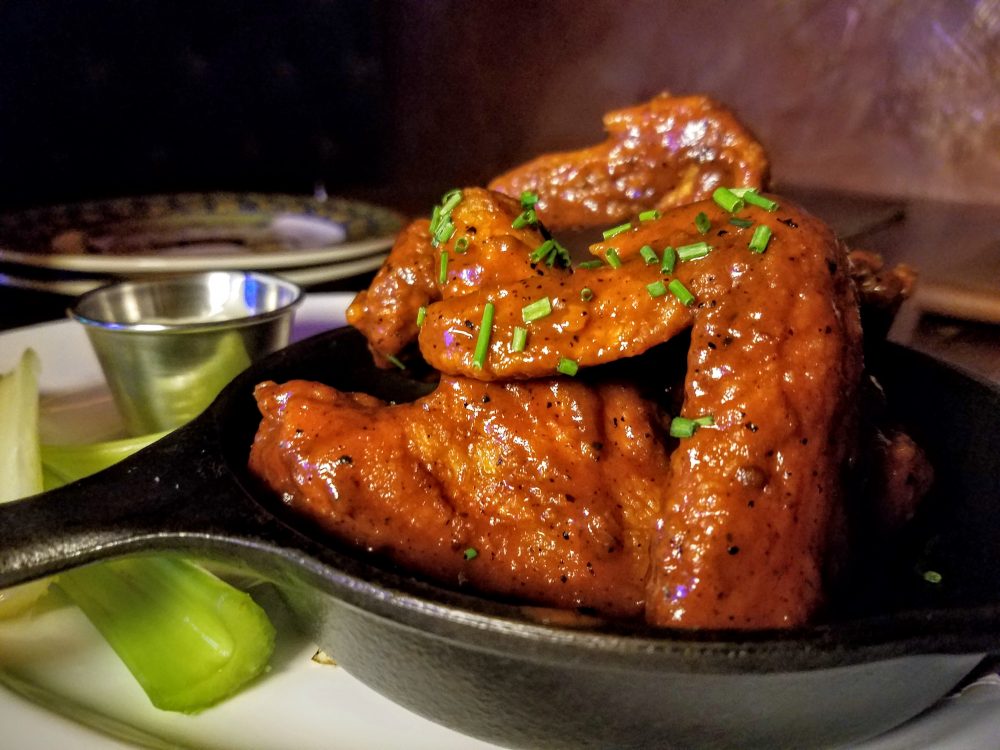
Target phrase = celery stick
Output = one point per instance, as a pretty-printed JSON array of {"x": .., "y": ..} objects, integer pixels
[
  {"x": 20, "y": 467},
  {"x": 189, "y": 638},
  {"x": 62, "y": 464}
]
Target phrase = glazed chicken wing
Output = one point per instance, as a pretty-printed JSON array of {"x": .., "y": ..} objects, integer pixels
[
  {"x": 544, "y": 491},
  {"x": 485, "y": 249},
  {"x": 663, "y": 153}
]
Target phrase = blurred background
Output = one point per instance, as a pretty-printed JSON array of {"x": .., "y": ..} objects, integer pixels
[
  {"x": 404, "y": 99},
  {"x": 882, "y": 116}
]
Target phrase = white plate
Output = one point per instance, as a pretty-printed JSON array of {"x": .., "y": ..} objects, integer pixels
[
  {"x": 196, "y": 232},
  {"x": 77, "y": 285},
  {"x": 60, "y": 660}
]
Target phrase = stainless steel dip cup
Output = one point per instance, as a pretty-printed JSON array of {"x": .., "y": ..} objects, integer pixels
[{"x": 169, "y": 345}]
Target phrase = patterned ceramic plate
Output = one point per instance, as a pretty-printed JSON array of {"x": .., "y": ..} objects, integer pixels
[{"x": 194, "y": 232}]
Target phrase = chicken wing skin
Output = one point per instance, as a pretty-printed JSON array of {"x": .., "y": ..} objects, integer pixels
[
  {"x": 754, "y": 506},
  {"x": 544, "y": 491},
  {"x": 485, "y": 250},
  {"x": 659, "y": 154}
]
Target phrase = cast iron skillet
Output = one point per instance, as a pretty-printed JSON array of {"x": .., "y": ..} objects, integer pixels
[{"x": 492, "y": 669}]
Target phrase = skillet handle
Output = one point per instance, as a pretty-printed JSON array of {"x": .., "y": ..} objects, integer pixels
[{"x": 176, "y": 494}]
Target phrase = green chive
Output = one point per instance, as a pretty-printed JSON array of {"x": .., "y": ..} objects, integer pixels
[
  {"x": 421, "y": 315},
  {"x": 435, "y": 219},
  {"x": 669, "y": 260},
  {"x": 728, "y": 199},
  {"x": 526, "y": 217},
  {"x": 528, "y": 199},
  {"x": 443, "y": 269},
  {"x": 759, "y": 200},
  {"x": 519, "y": 339},
  {"x": 444, "y": 231},
  {"x": 396, "y": 361},
  {"x": 542, "y": 250},
  {"x": 932, "y": 576},
  {"x": 694, "y": 251},
  {"x": 611, "y": 256},
  {"x": 471, "y": 553},
  {"x": 562, "y": 254},
  {"x": 483, "y": 341},
  {"x": 741, "y": 192},
  {"x": 586, "y": 294},
  {"x": 680, "y": 427},
  {"x": 461, "y": 245},
  {"x": 449, "y": 201},
  {"x": 648, "y": 254},
  {"x": 590, "y": 264},
  {"x": 736, "y": 221},
  {"x": 681, "y": 292},
  {"x": 536, "y": 310},
  {"x": 649, "y": 215},
  {"x": 761, "y": 236},
  {"x": 609, "y": 233},
  {"x": 706, "y": 420},
  {"x": 567, "y": 366},
  {"x": 656, "y": 289},
  {"x": 702, "y": 222}
]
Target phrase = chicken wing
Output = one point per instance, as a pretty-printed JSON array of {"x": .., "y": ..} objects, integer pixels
[
  {"x": 543, "y": 491},
  {"x": 659, "y": 154}
]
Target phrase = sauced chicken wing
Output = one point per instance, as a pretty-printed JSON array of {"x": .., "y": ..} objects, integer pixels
[
  {"x": 545, "y": 490},
  {"x": 663, "y": 153},
  {"x": 485, "y": 249},
  {"x": 775, "y": 358}
]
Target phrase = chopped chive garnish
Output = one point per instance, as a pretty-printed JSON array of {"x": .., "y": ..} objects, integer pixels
[
  {"x": 656, "y": 289},
  {"x": 728, "y": 199},
  {"x": 736, "y": 221},
  {"x": 461, "y": 245},
  {"x": 590, "y": 264},
  {"x": 741, "y": 192},
  {"x": 526, "y": 217},
  {"x": 611, "y": 256},
  {"x": 681, "y": 427},
  {"x": 586, "y": 294},
  {"x": 669, "y": 260},
  {"x": 471, "y": 553},
  {"x": 609, "y": 233},
  {"x": 444, "y": 231},
  {"x": 567, "y": 366},
  {"x": 649, "y": 215},
  {"x": 443, "y": 268},
  {"x": 702, "y": 222},
  {"x": 396, "y": 361},
  {"x": 562, "y": 254},
  {"x": 435, "y": 219},
  {"x": 694, "y": 251},
  {"x": 536, "y": 310},
  {"x": 421, "y": 315},
  {"x": 761, "y": 236},
  {"x": 932, "y": 576},
  {"x": 519, "y": 339},
  {"x": 483, "y": 341},
  {"x": 542, "y": 250},
  {"x": 681, "y": 292},
  {"x": 449, "y": 201},
  {"x": 648, "y": 254},
  {"x": 528, "y": 199},
  {"x": 759, "y": 200}
]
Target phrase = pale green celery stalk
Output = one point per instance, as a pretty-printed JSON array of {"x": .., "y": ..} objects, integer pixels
[
  {"x": 20, "y": 466},
  {"x": 188, "y": 637},
  {"x": 62, "y": 464}
]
